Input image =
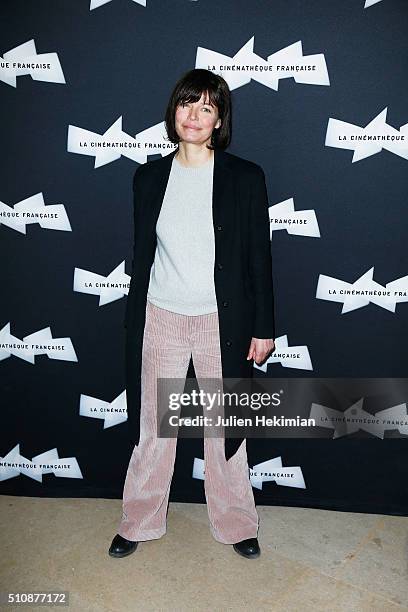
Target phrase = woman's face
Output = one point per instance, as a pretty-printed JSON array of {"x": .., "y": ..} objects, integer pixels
[{"x": 195, "y": 121}]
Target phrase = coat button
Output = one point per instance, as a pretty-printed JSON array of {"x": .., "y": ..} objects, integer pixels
[
  {"x": 219, "y": 266},
  {"x": 225, "y": 303},
  {"x": 228, "y": 343},
  {"x": 219, "y": 227}
]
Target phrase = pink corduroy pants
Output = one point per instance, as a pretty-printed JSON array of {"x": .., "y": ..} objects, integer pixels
[{"x": 169, "y": 341}]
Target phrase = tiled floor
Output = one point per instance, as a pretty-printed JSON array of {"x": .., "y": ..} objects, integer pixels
[{"x": 312, "y": 560}]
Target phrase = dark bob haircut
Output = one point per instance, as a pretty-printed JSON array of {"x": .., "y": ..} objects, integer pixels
[{"x": 189, "y": 89}]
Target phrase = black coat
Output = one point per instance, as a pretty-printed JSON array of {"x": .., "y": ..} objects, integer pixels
[{"x": 242, "y": 269}]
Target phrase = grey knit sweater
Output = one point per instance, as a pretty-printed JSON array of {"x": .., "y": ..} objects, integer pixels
[{"x": 182, "y": 274}]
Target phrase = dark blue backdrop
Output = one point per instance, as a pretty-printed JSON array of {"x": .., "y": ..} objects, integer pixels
[{"x": 122, "y": 59}]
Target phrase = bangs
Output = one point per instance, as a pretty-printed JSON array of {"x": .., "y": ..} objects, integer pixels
[{"x": 193, "y": 94}]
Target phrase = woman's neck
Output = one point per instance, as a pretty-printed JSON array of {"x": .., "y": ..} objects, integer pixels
[{"x": 194, "y": 161}]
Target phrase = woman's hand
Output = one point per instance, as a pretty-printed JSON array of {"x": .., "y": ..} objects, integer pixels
[{"x": 260, "y": 348}]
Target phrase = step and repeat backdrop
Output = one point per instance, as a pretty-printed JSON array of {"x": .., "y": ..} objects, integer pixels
[{"x": 319, "y": 93}]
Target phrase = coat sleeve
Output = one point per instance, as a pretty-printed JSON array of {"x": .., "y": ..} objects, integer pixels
[
  {"x": 136, "y": 226},
  {"x": 136, "y": 205},
  {"x": 260, "y": 258}
]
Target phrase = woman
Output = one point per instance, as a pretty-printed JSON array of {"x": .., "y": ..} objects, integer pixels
[{"x": 201, "y": 286}]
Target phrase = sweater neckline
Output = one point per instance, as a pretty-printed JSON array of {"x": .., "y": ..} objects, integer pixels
[{"x": 193, "y": 168}]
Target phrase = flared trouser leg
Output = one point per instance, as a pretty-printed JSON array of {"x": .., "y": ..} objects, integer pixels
[{"x": 169, "y": 341}]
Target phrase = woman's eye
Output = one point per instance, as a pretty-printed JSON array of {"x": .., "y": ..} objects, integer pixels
[{"x": 183, "y": 104}]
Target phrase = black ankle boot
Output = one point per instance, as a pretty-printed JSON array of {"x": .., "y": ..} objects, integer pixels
[
  {"x": 120, "y": 547},
  {"x": 248, "y": 548}
]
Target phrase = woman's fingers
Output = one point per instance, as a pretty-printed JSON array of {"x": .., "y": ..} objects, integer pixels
[
  {"x": 251, "y": 350},
  {"x": 260, "y": 348}
]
